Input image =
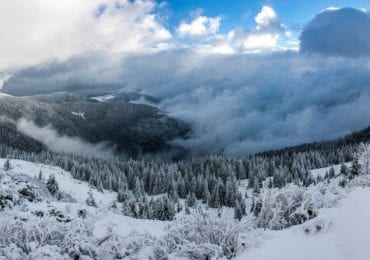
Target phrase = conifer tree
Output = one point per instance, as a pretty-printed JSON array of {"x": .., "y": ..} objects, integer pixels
[
  {"x": 7, "y": 166},
  {"x": 331, "y": 173},
  {"x": 90, "y": 201},
  {"x": 355, "y": 168},
  {"x": 40, "y": 177},
  {"x": 52, "y": 184},
  {"x": 343, "y": 169}
]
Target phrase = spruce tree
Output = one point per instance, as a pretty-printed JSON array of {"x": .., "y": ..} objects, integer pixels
[
  {"x": 40, "y": 177},
  {"x": 356, "y": 167},
  {"x": 343, "y": 170},
  {"x": 331, "y": 173},
  {"x": 7, "y": 166},
  {"x": 90, "y": 201},
  {"x": 191, "y": 200},
  {"x": 52, "y": 184},
  {"x": 240, "y": 208}
]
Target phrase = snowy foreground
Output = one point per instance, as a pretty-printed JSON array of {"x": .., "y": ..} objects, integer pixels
[
  {"x": 37, "y": 225},
  {"x": 344, "y": 234}
]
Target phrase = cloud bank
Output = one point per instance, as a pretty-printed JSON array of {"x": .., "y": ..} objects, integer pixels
[
  {"x": 58, "y": 143},
  {"x": 245, "y": 101},
  {"x": 338, "y": 32},
  {"x": 37, "y": 31}
]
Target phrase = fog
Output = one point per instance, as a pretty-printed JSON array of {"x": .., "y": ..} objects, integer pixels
[{"x": 61, "y": 143}]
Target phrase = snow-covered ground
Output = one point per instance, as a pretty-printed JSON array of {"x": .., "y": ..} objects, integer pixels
[
  {"x": 77, "y": 189},
  {"x": 322, "y": 171},
  {"x": 102, "y": 217},
  {"x": 339, "y": 233}
]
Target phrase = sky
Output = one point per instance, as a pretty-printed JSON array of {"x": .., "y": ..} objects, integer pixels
[
  {"x": 246, "y": 75},
  {"x": 240, "y": 13}
]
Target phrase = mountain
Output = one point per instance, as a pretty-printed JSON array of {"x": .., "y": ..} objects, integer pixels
[
  {"x": 47, "y": 214},
  {"x": 133, "y": 129}
]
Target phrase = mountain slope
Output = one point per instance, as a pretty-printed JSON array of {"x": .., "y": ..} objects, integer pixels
[
  {"x": 39, "y": 225},
  {"x": 135, "y": 129}
]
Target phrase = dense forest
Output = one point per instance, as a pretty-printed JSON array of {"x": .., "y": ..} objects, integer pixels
[{"x": 213, "y": 180}]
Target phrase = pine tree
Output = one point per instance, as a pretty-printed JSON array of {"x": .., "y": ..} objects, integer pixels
[
  {"x": 240, "y": 208},
  {"x": 90, "y": 201},
  {"x": 138, "y": 188},
  {"x": 279, "y": 180},
  {"x": 343, "y": 170},
  {"x": 7, "y": 166},
  {"x": 256, "y": 186},
  {"x": 342, "y": 183},
  {"x": 214, "y": 202},
  {"x": 331, "y": 173},
  {"x": 191, "y": 200},
  {"x": 40, "y": 177},
  {"x": 52, "y": 184},
  {"x": 356, "y": 167}
]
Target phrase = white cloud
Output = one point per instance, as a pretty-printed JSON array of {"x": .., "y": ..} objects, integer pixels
[
  {"x": 3, "y": 79},
  {"x": 265, "y": 17},
  {"x": 201, "y": 26},
  {"x": 61, "y": 143},
  {"x": 331, "y": 8},
  {"x": 268, "y": 35},
  {"x": 238, "y": 103},
  {"x": 36, "y": 31},
  {"x": 260, "y": 41},
  {"x": 338, "y": 32}
]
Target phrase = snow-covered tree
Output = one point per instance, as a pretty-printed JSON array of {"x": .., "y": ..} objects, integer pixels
[
  {"x": 355, "y": 168},
  {"x": 7, "y": 166},
  {"x": 343, "y": 170},
  {"x": 90, "y": 201},
  {"x": 52, "y": 185}
]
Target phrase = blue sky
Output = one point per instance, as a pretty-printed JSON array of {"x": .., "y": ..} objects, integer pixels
[{"x": 241, "y": 13}]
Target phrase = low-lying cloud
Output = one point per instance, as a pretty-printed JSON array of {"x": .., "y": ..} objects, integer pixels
[
  {"x": 237, "y": 103},
  {"x": 61, "y": 143}
]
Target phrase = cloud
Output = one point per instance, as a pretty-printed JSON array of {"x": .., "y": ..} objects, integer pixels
[
  {"x": 269, "y": 34},
  {"x": 338, "y": 32},
  {"x": 58, "y": 143},
  {"x": 260, "y": 41},
  {"x": 267, "y": 20},
  {"x": 38, "y": 31},
  {"x": 200, "y": 26},
  {"x": 238, "y": 103},
  {"x": 3, "y": 78}
]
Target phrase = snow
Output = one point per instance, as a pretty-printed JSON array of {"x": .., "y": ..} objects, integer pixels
[
  {"x": 80, "y": 114},
  {"x": 103, "y": 98},
  {"x": 338, "y": 233},
  {"x": 77, "y": 189},
  {"x": 323, "y": 171},
  {"x": 125, "y": 225},
  {"x": 347, "y": 236},
  {"x": 103, "y": 218}
]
